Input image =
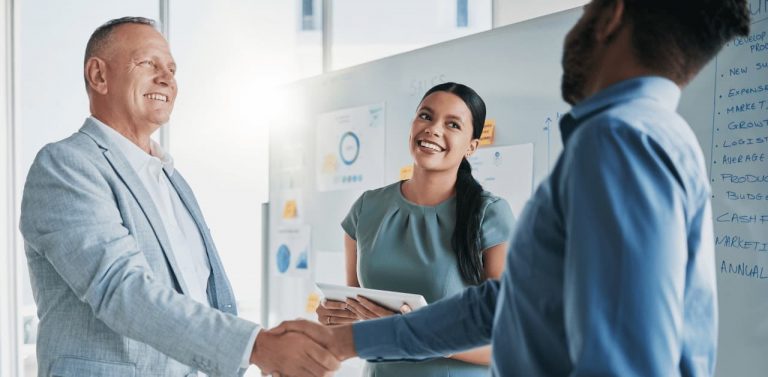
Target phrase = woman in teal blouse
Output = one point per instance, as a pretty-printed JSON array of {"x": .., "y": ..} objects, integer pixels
[{"x": 433, "y": 234}]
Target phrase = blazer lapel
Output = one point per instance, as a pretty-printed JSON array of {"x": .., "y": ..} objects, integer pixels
[
  {"x": 219, "y": 291},
  {"x": 126, "y": 173}
]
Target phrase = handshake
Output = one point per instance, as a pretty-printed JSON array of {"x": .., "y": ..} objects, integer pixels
[
  {"x": 302, "y": 348},
  {"x": 305, "y": 348}
]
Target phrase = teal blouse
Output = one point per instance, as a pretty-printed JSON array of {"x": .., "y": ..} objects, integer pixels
[{"x": 405, "y": 247}]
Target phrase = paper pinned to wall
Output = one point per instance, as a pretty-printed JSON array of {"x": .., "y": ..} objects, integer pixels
[
  {"x": 290, "y": 248},
  {"x": 507, "y": 172},
  {"x": 350, "y": 151}
]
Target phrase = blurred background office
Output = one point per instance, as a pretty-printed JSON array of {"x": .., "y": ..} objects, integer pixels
[{"x": 232, "y": 55}]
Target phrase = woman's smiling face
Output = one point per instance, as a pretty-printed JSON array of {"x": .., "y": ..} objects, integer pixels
[{"x": 441, "y": 133}]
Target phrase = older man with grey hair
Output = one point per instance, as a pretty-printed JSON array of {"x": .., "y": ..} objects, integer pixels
[{"x": 124, "y": 271}]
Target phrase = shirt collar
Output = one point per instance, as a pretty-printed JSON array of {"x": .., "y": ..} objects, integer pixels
[
  {"x": 135, "y": 155},
  {"x": 661, "y": 90}
]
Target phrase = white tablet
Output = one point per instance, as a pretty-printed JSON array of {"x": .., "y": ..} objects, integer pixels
[{"x": 388, "y": 299}]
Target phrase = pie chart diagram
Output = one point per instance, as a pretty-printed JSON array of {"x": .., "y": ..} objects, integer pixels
[{"x": 283, "y": 258}]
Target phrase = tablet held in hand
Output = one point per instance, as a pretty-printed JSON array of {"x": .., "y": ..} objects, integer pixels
[{"x": 388, "y": 299}]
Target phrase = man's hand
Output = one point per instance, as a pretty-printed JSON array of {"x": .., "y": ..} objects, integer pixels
[
  {"x": 292, "y": 354},
  {"x": 337, "y": 339}
]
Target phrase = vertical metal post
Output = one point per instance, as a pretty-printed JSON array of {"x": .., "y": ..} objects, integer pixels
[
  {"x": 265, "y": 264},
  {"x": 10, "y": 325},
  {"x": 165, "y": 132},
  {"x": 327, "y": 35}
]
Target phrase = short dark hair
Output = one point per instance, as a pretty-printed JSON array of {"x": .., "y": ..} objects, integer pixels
[
  {"x": 102, "y": 35},
  {"x": 679, "y": 37}
]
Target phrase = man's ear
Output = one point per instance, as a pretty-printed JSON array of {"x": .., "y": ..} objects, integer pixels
[
  {"x": 96, "y": 75},
  {"x": 609, "y": 21}
]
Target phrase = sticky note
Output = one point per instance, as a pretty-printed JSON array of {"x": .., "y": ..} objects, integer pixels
[
  {"x": 313, "y": 301},
  {"x": 489, "y": 130},
  {"x": 406, "y": 172},
  {"x": 330, "y": 164},
  {"x": 289, "y": 210}
]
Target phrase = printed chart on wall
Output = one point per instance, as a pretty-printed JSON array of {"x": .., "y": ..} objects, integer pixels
[
  {"x": 290, "y": 251},
  {"x": 739, "y": 176},
  {"x": 350, "y": 148},
  {"x": 507, "y": 172}
]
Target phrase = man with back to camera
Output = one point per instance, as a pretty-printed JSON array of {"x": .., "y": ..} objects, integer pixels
[
  {"x": 124, "y": 271},
  {"x": 611, "y": 271}
]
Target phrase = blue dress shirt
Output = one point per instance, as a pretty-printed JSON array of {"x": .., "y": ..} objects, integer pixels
[{"x": 611, "y": 270}]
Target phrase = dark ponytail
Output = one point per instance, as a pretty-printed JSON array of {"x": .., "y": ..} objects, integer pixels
[{"x": 466, "y": 235}]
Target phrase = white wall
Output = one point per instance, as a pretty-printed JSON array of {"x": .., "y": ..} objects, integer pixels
[
  {"x": 231, "y": 56},
  {"x": 365, "y": 30},
  {"x": 507, "y": 12}
]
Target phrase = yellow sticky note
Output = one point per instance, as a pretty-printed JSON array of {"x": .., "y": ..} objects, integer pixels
[
  {"x": 406, "y": 172},
  {"x": 330, "y": 164},
  {"x": 313, "y": 301},
  {"x": 489, "y": 130},
  {"x": 289, "y": 210}
]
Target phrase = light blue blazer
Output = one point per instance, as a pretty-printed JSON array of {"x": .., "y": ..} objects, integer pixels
[{"x": 110, "y": 297}]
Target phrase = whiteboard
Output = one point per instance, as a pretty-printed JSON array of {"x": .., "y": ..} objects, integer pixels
[
  {"x": 516, "y": 69},
  {"x": 729, "y": 113}
]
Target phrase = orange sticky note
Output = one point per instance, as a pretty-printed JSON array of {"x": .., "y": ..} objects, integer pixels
[
  {"x": 489, "y": 130},
  {"x": 406, "y": 172},
  {"x": 289, "y": 210}
]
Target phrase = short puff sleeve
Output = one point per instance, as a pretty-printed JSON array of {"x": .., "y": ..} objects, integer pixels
[
  {"x": 349, "y": 224},
  {"x": 497, "y": 223}
]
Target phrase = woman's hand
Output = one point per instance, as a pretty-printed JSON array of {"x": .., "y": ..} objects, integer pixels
[
  {"x": 335, "y": 313},
  {"x": 367, "y": 309}
]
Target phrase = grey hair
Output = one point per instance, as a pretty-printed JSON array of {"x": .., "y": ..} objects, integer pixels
[{"x": 103, "y": 34}]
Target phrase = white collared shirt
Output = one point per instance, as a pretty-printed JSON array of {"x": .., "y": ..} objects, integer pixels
[{"x": 187, "y": 246}]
